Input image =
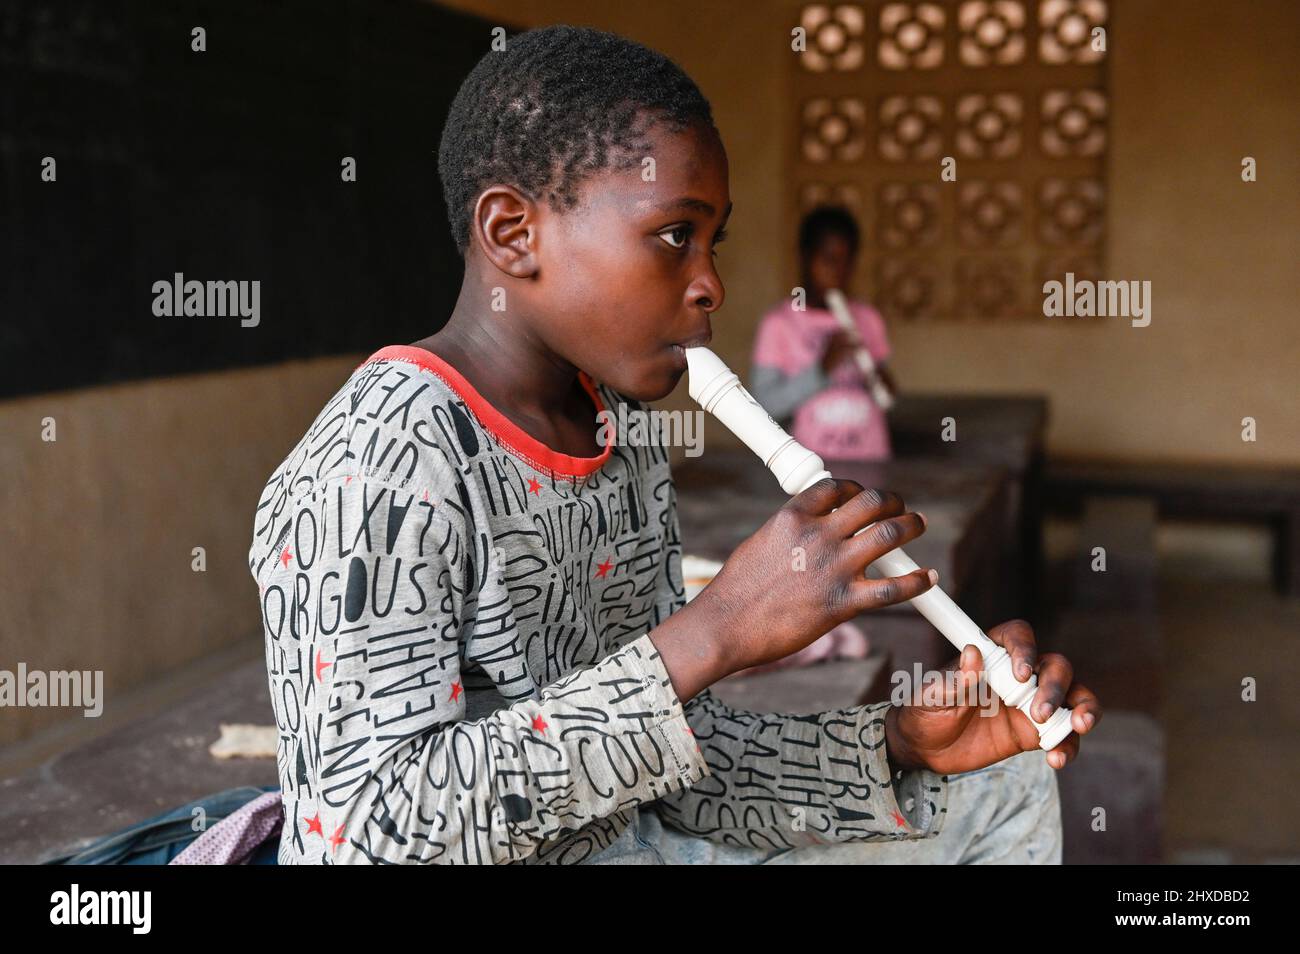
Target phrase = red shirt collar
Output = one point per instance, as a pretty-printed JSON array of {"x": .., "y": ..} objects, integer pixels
[{"x": 511, "y": 435}]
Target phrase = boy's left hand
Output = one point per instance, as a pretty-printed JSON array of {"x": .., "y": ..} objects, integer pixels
[{"x": 948, "y": 738}]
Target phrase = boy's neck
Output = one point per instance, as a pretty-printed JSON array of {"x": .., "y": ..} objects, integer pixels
[{"x": 517, "y": 374}]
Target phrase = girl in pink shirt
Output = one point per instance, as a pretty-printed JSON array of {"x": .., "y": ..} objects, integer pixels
[{"x": 803, "y": 363}]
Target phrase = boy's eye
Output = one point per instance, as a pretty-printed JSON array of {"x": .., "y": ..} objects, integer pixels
[
  {"x": 683, "y": 230},
  {"x": 678, "y": 235}
]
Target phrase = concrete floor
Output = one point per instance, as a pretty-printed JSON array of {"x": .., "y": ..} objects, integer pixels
[
  {"x": 94, "y": 784},
  {"x": 1234, "y": 766},
  {"x": 1232, "y": 774}
]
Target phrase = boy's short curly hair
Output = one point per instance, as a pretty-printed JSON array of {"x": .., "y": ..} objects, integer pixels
[
  {"x": 555, "y": 106},
  {"x": 827, "y": 220}
]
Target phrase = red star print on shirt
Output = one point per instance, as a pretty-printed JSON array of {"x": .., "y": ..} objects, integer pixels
[
  {"x": 285, "y": 556},
  {"x": 534, "y": 487},
  {"x": 321, "y": 664},
  {"x": 603, "y": 568},
  {"x": 455, "y": 691},
  {"x": 313, "y": 825},
  {"x": 539, "y": 723},
  {"x": 899, "y": 820},
  {"x": 337, "y": 838}
]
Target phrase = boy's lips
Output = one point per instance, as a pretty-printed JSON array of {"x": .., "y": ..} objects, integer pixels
[
  {"x": 699, "y": 341},
  {"x": 679, "y": 350}
]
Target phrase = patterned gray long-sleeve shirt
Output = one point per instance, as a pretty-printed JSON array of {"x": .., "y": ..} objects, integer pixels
[{"x": 456, "y": 623}]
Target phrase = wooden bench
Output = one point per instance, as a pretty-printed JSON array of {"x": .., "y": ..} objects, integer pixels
[
  {"x": 1120, "y": 769},
  {"x": 1123, "y": 574},
  {"x": 1111, "y": 633},
  {"x": 1267, "y": 494},
  {"x": 1110, "y": 629}
]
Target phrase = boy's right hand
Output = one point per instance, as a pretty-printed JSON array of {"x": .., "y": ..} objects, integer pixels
[{"x": 804, "y": 571}]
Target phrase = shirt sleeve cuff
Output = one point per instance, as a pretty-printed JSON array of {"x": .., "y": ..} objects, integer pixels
[
  {"x": 923, "y": 799},
  {"x": 917, "y": 799},
  {"x": 686, "y": 764}
]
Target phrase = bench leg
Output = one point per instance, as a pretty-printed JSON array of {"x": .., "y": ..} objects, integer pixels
[
  {"x": 1032, "y": 578},
  {"x": 1286, "y": 553}
]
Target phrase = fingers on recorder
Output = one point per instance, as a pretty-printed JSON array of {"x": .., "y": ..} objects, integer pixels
[
  {"x": 1017, "y": 637},
  {"x": 853, "y": 505},
  {"x": 824, "y": 496},
  {"x": 848, "y": 507}
]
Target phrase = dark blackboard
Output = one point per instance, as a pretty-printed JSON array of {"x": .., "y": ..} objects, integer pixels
[{"x": 223, "y": 166}]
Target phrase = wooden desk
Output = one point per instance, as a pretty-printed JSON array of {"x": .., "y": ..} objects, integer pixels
[
  {"x": 999, "y": 430},
  {"x": 727, "y": 494}
]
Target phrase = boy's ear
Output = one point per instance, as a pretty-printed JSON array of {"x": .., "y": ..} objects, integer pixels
[{"x": 505, "y": 225}]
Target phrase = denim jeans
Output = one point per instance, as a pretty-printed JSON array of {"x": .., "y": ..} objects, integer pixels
[
  {"x": 1008, "y": 813},
  {"x": 157, "y": 840}
]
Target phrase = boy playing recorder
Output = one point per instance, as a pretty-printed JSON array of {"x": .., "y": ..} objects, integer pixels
[{"x": 476, "y": 632}]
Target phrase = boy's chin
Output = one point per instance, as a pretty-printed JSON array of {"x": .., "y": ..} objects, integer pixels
[{"x": 655, "y": 385}]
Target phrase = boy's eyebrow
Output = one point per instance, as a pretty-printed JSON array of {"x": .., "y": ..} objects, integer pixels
[{"x": 698, "y": 205}]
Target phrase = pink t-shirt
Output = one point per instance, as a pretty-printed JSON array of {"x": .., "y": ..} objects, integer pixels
[{"x": 841, "y": 422}]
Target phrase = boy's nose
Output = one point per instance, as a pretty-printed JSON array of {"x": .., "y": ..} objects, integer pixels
[{"x": 707, "y": 292}]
